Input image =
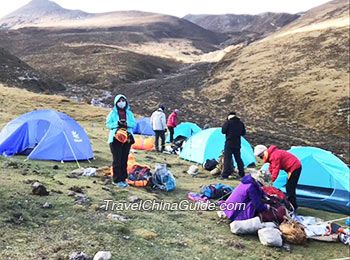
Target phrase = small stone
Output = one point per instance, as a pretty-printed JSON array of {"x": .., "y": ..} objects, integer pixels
[
  {"x": 55, "y": 167},
  {"x": 39, "y": 189},
  {"x": 76, "y": 189},
  {"x": 126, "y": 237},
  {"x": 71, "y": 193},
  {"x": 103, "y": 255},
  {"x": 59, "y": 182},
  {"x": 47, "y": 205},
  {"x": 133, "y": 199},
  {"x": 81, "y": 199},
  {"x": 24, "y": 172},
  {"x": 35, "y": 172},
  {"x": 79, "y": 256}
]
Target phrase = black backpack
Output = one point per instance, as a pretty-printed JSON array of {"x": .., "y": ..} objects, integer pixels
[{"x": 210, "y": 164}]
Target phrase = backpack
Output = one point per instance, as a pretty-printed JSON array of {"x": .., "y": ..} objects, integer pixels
[
  {"x": 139, "y": 175},
  {"x": 216, "y": 191},
  {"x": 272, "y": 191},
  {"x": 210, "y": 165},
  {"x": 163, "y": 179}
]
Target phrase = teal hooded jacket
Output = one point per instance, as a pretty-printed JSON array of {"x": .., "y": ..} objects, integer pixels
[{"x": 113, "y": 118}]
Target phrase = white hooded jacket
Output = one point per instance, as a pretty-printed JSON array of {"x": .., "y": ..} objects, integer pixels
[{"x": 158, "y": 120}]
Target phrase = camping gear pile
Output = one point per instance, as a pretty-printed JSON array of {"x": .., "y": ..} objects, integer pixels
[{"x": 211, "y": 192}]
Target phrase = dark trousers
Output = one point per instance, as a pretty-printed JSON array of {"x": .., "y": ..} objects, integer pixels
[
  {"x": 291, "y": 187},
  {"x": 120, "y": 154},
  {"x": 171, "y": 130},
  {"x": 228, "y": 160},
  {"x": 161, "y": 134}
]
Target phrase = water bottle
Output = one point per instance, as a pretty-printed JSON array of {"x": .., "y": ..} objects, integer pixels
[{"x": 347, "y": 222}]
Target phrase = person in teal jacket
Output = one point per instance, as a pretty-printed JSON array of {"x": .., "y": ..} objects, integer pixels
[{"x": 120, "y": 118}]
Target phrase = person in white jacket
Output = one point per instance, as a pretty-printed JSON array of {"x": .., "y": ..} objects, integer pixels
[{"x": 158, "y": 122}]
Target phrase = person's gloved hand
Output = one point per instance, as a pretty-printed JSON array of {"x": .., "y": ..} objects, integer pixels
[{"x": 122, "y": 124}]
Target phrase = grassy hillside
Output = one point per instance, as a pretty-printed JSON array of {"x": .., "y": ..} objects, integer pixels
[
  {"x": 28, "y": 231},
  {"x": 296, "y": 77},
  {"x": 15, "y": 72}
]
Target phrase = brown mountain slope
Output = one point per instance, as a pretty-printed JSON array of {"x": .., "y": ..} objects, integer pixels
[
  {"x": 101, "y": 50},
  {"x": 16, "y": 73},
  {"x": 243, "y": 28},
  {"x": 297, "y": 77}
]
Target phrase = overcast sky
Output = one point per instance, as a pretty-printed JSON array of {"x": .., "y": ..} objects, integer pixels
[{"x": 178, "y": 7}]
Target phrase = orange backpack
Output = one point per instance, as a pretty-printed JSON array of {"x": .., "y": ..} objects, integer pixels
[{"x": 139, "y": 175}]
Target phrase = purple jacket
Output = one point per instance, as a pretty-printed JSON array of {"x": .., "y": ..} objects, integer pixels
[{"x": 248, "y": 192}]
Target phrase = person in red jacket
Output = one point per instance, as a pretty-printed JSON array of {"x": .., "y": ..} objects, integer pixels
[
  {"x": 281, "y": 160},
  {"x": 172, "y": 123}
]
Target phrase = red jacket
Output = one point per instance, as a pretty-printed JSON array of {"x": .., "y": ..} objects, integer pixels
[
  {"x": 280, "y": 160},
  {"x": 172, "y": 120}
]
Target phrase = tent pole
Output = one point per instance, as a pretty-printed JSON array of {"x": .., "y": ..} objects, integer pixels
[{"x": 75, "y": 157}]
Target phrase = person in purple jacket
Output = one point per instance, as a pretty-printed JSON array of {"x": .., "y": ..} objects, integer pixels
[{"x": 245, "y": 201}]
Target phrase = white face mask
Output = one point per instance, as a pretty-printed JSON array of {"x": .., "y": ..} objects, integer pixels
[{"x": 121, "y": 104}]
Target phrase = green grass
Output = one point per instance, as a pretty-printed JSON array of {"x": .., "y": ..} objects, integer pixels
[{"x": 28, "y": 231}]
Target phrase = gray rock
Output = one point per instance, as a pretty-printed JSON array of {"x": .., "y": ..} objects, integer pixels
[
  {"x": 24, "y": 172},
  {"x": 76, "y": 189},
  {"x": 81, "y": 199},
  {"x": 79, "y": 256},
  {"x": 133, "y": 199},
  {"x": 71, "y": 194},
  {"x": 39, "y": 189},
  {"x": 103, "y": 255},
  {"x": 47, "y": 205}
]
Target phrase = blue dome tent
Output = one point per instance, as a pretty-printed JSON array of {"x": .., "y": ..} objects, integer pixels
[
  {"x": 324, "y": 182},
  {"x": 45, "y": 135},
  {"x": 185, "y": 129},
  {"x": 143, "y": 126},
  {"x": 209, "y": 143}
]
